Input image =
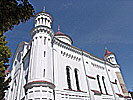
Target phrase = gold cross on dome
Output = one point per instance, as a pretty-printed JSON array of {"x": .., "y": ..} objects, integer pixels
[
  {"x": 58, "y": 27},
  {"x": 44, "y": 8}
]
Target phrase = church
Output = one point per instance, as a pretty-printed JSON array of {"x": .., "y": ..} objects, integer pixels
[{"x": 49, "y": 67}]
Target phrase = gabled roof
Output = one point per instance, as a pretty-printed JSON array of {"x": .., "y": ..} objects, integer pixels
[{"x": 106, "y": 53}]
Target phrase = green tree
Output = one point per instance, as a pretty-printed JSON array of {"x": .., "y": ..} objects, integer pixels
[
  {"x": 12, "y": 12},
  {"x": 5, "y": 54}
]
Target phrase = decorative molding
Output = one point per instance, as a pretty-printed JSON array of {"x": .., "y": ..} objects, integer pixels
[
  {"x": 75, "y": 90},
  {"x": 79, "y": 51},
  {"x": 66, "y": 46},
  {"x": 113, "y": 82},
  {"x": 39, "y": 83},
  {"x": 41, "y": 29},
  {"x": 127, "y": 97},
  {"x": 70, "y": 56},
  {"x": 120, "y": 95},
  {"x": 97, "y": 66},
  {"x": 91, "y": 77},
  {"x": 96, "y": 92}
]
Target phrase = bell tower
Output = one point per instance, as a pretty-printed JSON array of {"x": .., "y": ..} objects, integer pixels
[{"x": 40, "y": 77}]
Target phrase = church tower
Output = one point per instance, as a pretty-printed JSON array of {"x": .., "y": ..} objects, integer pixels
[
  {"x": 40, "y": 78},
  {"x": 49, "y": 59},
  {"x": 110, "y": 57}
]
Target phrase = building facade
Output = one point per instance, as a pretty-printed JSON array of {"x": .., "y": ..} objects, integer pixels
[{"x": 49, "y": 67}]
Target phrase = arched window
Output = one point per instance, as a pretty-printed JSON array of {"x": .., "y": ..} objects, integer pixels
[
  {"x": 42, "y": 19},
  {"x": 44, "y": 40},
  {"x": 115, "y": 81},
  {"x": 99, "y": 83},
  {"x": 104, "y": 85},
  {"x": 45, "y": 20},
  {"x": 68, "y": 77},
  {"x": 35, "y": 21},
  {"x": 77, "y": 79},
  {"x": 39, "y": 20}
]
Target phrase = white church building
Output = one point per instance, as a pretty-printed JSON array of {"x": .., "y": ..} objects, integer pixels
[{"x": 49, "y": 67}]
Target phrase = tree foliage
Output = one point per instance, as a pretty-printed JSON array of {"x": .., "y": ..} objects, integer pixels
[
  {"x": 5, "y": 54},
  {"x": 12, "y": 12}
]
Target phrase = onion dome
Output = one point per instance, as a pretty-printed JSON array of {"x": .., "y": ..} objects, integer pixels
[
  {"x": 63, "y": 37},
  {"x": 107, "y": 52}
]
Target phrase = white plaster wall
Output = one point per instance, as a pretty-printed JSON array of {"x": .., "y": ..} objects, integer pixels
[
  {"x": 41, "y": 43},
  {"x": 101, "y": 72},
  {"x": 60, "y": 69},
  {"x": 60, "y": 77}
]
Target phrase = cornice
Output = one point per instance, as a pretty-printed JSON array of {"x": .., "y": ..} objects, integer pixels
[
  {"x": 41, "y": 28},
  {"x": 39, "y": 83},
  {"x": 66, "y": 46},
  {"x": 80, "y": 51}
]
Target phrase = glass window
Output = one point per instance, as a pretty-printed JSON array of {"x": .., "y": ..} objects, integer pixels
[
  {"x": 99, "y": 83},
  {"x": 68, "y": 77},
  {"x": 44, "y": 73},
  {"x": 77, "y": 79},
  {"x": 104, "y": 84}
]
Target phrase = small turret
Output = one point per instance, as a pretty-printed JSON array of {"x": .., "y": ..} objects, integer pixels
[
  {"x": 43, "y": 18},
  {"x": 110, "y": 57}
]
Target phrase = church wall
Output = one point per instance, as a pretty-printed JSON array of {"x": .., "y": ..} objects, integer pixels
[
  {"x": 42, "y": 57},
  {"x": 50, "y": 68},
  {"x": 16, "y": 75},
  {"x": 114, "y": 79},
  {"x": 93, "y": 69},
  {"x": 62, "y": 59}
]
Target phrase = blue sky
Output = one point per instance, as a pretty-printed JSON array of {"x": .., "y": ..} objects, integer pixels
[{"x": 91, "y": 24}]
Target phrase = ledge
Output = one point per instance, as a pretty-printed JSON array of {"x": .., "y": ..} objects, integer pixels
[
  {"x": 113, "y": 82},
  {"x": 75, "y": 90},
  {"x": 91, "y": 77},
  {"x": 96, "y": 92},
  {"x": 39, "y": 83},
  {"x": 120, "y": 95},
  {"x": 127, "y": 97}
]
